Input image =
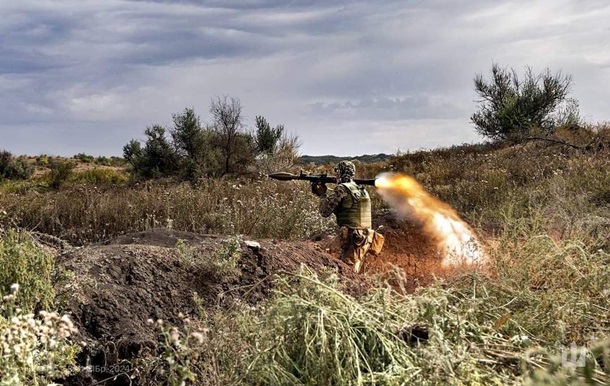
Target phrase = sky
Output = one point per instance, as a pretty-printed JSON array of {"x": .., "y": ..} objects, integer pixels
[{"x": 346, "y": 77}]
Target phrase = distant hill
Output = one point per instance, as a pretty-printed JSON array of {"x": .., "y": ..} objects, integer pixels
[{"x": 332, "y": 159}]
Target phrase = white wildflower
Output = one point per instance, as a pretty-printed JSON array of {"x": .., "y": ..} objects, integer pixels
[
  {"x": 174, "y": 336},
  {"x": 198, "y": 337}
]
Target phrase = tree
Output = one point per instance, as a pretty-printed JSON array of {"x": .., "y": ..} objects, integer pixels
[
  {"x": 132, "y": 152},
  {"x": 266, "y": 137},
  {"x": 284, "y": 156},
  {"x": 160, "y": 157},
  {"x": 193, "y": 151},
  {"x": 187, "y": 133},
  {"x": 245, "y": 153},
  {"x": 227, "y": 115},
  {"x": 156, "y": 159},
  {"x": 279, "y": 150},
  {"x": 189, "y": 140},
  {"x": 511, "y": 108}
]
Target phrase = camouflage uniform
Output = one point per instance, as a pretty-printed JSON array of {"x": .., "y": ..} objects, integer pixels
[{"x": 352, "y": 206}]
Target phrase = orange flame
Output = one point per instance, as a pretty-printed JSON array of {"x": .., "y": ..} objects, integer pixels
[{"x": 455, "y": 239}]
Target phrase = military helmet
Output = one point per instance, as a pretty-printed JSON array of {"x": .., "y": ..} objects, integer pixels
[{"x": 346, "y": 170}]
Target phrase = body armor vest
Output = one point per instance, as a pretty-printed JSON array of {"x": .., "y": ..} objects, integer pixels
[{"x": 355, "y": 210}]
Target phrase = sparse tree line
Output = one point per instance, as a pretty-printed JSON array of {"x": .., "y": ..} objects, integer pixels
[
  {"x": 191, "y": 150},
  {"x": 511, "y": 109}
]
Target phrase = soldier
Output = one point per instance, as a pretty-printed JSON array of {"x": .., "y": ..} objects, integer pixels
[{"x": 351, "y": 205}]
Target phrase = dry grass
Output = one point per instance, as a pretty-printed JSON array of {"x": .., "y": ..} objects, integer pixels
[
  {"x": 85, "y": 213},
  {"x": 485, "y": 183}
]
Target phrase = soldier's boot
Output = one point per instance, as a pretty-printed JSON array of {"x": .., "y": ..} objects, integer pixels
[{"x": 350, "y": 257}]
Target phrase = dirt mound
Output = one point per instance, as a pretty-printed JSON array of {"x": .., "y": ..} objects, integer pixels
[
  {"x": 408, "y": 248},
  {"x": 162, "y": 237},
  {"x": 115, "y": 287}
]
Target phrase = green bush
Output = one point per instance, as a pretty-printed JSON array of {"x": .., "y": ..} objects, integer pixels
[
  {"x": 43, "y": 160},
  {"x": 12, "y": 168},
  {"x": 60, "y": 173},
  {"x": 34, "y": 349},
  {"x": 24, "y": 262},
  {"x": 512, "y": 108},
  {"x": 156, "y": 159}
]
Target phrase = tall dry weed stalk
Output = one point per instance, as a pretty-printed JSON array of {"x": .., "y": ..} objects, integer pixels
[{"x": 82, "y": 214}]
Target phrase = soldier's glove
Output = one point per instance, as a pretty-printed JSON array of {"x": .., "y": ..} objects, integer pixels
[{"x": 318, "y": 189}]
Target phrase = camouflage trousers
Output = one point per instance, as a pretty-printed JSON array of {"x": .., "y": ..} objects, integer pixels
[{"x": 356, "y": 243}]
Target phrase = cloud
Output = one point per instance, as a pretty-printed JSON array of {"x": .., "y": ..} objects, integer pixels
[
  {"x": 413, "y": 107},
  {"x": 339, "y": 69}
]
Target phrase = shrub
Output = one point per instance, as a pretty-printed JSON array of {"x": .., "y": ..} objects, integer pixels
[
  {"x": 267, "y": 138},
  {"x": 12, "y": 168},
  {"x": 512, "y": 108},
  {"x": 156, "y": 159},
  {"x": 34, "y": 349},
  {"x": 60, "y": 173},
  {"x": 102, "y": 160},
  {"x": 284, "y": 156},
  {"x": 26, "y": 263},
  {"x": 43, "y": 160}
]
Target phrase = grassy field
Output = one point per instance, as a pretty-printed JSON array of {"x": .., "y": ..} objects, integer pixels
[{"x": 541, "y": 316}]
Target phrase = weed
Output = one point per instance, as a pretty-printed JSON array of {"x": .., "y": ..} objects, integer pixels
[
  {"x": 26, "y": 263},
  {"x": 34, "y": 350}
]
